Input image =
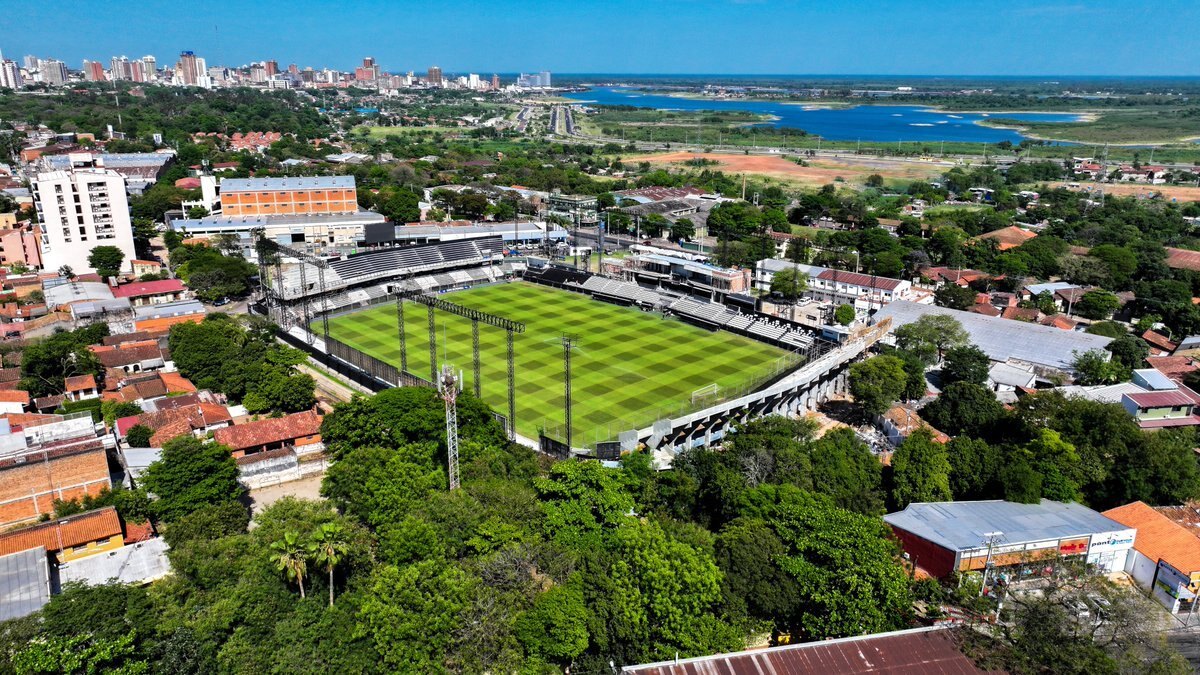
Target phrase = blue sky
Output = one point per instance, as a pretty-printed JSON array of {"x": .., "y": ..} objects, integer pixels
[{"x": 950, "y": 37}]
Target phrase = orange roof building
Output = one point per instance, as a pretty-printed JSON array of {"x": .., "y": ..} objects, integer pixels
[
  {"x": 71, "y": 538},
  {"x": 1167, "y": 558},
  {"x": 273, "y": 433}
]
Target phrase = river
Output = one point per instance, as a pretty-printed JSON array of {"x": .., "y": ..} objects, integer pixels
[{"x": 876, "y": 123}]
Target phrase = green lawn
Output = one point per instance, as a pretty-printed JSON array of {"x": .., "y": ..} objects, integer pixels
[{"x": 629, "y": 369}]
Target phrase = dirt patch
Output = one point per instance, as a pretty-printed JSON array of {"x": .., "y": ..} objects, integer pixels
[
  {"x": 853, "y": 170},
  {"x": 1180, "y": 193},
  {"x": 305, "y": 488}
]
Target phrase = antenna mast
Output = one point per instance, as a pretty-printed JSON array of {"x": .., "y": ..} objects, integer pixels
[{"x": 449, "y": 388}]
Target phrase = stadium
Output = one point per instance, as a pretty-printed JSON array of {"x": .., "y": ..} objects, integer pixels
[{"x": 649, "y": 365}]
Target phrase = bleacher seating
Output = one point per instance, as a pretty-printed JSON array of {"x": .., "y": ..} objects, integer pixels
[
  {"x": 620, "y": 290},
  {"x": 708, "y": 312},
  {"x": 389, "y": 263}
]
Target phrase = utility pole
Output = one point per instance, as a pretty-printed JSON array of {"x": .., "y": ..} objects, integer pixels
[
  {"x": 990, "y": 539},
  {"x": 449, "y": 390}
]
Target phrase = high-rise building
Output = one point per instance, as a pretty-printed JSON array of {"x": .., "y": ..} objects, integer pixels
[
  {"x": 258, "y": 73},
  {"x": 79, "y": 210},
  {"x": 10, "y": 75},
  {"x": 121, "y": 68},
  {"x": 495, "y": 82},
  {"x": 150, "y": 68},
  {"x": 52, "y": 71},
  {"x": 31, "y": 62},
  {"x": 272, "y": 67},
  {"x": 293, "y": 69},
  {"x": 434, "y": 77},
  {"x": 536, "y": 80},
  {"x": 185, "y": 70},
  {"x": 93, "y": 71}
]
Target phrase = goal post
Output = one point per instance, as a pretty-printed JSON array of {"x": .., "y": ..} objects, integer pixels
[{"x": 706, "y": 393}]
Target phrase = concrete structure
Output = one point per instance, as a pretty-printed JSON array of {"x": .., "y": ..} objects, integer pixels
[
  {"x": 1166, "y": 555},
  {"x": 703, "y": 277},
  {"x": 1020, "y": 540},
  {"x": 80, "y": 210},
  {"x": 140, "y": 169},
  {"x": 341, "y": 230},
  {"x": 20, "y": 245},
  {"x": 59, "y": 459},
  {"x": 324, "y": 195},
  {"x": 580, "y": 209}
]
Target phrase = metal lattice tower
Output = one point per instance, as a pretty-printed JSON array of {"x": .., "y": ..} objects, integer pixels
[{"x": 449, "y": 388}]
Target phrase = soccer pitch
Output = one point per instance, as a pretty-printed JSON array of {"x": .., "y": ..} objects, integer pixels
[{"x": 630, "y": 367}]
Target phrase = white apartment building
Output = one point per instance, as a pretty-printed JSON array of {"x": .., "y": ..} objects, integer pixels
[{"x": 80, "y": 210}]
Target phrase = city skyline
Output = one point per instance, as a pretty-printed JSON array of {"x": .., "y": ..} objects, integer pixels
[{"x": 674, "y": 37}]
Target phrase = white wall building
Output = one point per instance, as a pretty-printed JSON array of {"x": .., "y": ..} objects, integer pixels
[{"x": 80, "y": 210}]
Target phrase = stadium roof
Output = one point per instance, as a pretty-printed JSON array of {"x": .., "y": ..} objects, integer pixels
[
  {"x": 24, "y": 583},
  {"x": 1003, "y": 339},
  {"x": 961, "y": 526},
  {"x": 904, "y": 652},
  {"x": 289, "y": 183}
]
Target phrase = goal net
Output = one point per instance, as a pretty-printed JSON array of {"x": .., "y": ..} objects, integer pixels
[{"x": 706, "y": 393}]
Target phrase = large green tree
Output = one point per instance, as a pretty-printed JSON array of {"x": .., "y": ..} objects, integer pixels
[
  {"x": 847, "y": 569},
  {"x": 920, "y": 471},
  {"x": 191, "y": 474},
  {"x": 106, "y": 260},
  {"x": 877, "y": 383},
  {"x": 930, "y": 336}
]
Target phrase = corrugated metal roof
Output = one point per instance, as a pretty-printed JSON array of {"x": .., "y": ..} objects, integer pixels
[
  {"x": 964, "y": 525},
  {"x": 24, "y": 583},
  {"x": 1002, "y": 339},
  {"x": 919, "y": 651}
]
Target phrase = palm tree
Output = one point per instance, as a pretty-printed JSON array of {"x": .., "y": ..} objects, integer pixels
[
  {"x": 328, "y": 548},
  {"x": 290, "y": 557}
]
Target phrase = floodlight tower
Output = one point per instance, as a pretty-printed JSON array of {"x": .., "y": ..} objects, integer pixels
[{"x": 448, "y": 385}]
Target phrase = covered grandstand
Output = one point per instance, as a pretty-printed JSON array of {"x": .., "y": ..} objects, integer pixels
[{"x": 304, "y": 279}]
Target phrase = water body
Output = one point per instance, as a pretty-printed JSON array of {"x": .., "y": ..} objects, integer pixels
[{"x": 875, "y": 123}]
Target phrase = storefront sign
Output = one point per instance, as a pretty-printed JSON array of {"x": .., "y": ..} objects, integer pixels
[
  {"x": 1072, "y": 546},
  {"x": 1111, "y": 541}
]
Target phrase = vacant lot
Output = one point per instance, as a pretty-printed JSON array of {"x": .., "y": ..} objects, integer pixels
[
  {"x": 852, "y": 170},
  {"x": 1169, "y": 192}
]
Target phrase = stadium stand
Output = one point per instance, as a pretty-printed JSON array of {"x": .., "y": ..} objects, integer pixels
[{"x": 389, "y": 264}]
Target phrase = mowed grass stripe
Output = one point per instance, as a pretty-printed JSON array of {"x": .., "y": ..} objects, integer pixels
[{"x": 629, "y": 369}]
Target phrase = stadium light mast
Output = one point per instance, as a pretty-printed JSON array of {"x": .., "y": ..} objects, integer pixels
[
  {"x": 449, "y": 389},
  {"x": 568, "y": 343}
]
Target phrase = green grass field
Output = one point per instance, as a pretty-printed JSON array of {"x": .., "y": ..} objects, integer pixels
[{"x": 629, "y": 369}]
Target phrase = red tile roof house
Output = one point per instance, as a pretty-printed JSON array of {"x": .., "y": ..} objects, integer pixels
[
  {"x": 80, "y": 388},
  {"x": 134, "y": 358},
  {"x": 151, "y": 292},
  {"x": 196, "y": 419},
  {"x": 13, "y": 401},
  {"x": 291, "y": 431}
]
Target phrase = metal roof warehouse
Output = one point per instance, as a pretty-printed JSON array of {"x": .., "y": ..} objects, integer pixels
[
  {"x": 945, "y": 536},
  {"x": 1005, "y": 339}
]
